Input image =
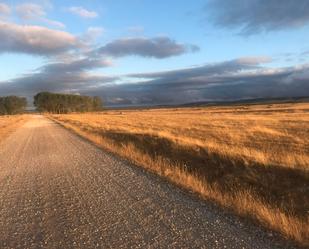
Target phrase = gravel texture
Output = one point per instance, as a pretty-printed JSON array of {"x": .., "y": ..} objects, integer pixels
[{"x": 59, "y": 191}]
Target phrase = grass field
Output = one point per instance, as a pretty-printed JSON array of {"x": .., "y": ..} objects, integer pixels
[
  {"x": 9, "y": 123},
  {"x": 253, "y": 159}
]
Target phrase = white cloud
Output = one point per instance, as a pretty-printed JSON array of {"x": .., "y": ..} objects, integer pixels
[
  {"x": 93, "y": 33},
  {"x": 35, "y": 40},
  {"x": 29, "y": 11},
  {"x": 254, "y": 60},
  {"x": 82, "y": 12},
  {"x": 35, "y": 12},
  {"x": 54, "y": 23},
  {"x": 5, "y": 10}
]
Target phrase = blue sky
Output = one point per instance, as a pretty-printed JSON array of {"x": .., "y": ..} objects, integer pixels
[{"x": 117, "y": 49}]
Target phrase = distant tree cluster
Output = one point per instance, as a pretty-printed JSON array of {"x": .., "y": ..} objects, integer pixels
[
  {"x": 66, "y": 103},
  {"x": 12, "y": 105}
]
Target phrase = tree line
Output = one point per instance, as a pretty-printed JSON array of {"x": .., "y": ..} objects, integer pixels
[
  {"x": 66, "y": 103},
  {"x": 10, "y": 105},
  {"x": 52, "y": 103}
]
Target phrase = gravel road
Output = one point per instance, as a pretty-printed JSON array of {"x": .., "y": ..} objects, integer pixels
[{"x": 59, "y": 191}]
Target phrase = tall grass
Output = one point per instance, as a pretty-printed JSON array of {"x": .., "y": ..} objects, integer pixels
[
  {"x": 8, "y": 124},
  {"x": 252, "y": 159}
]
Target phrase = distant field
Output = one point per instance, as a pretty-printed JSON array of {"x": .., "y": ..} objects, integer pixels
[
  {"x": 253, "y": 159},
  {"x": 9, "y": 123}
]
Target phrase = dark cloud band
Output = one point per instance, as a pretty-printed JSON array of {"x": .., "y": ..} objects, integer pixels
[
  {"x": 159, "y": 47},
  {"x": 241, "y": 78},
  {"x": 260, "y": 83},
  {"x": 253, "y": 16}
]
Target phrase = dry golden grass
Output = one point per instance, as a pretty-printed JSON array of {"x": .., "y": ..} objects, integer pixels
[
  {"x": 253, "y": 159},
  {"x": 9, "y": 124}
]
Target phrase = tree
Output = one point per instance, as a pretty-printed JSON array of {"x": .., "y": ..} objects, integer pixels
[
  {"x": 12, "y": 105},
  {"x": 66, "y": 103}
]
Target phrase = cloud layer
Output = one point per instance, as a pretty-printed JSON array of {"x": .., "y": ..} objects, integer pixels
[
  {"x": 233, "y": 66},
  {"x": 70, "y": 76},
  {"x": 158, "y": 47},
  {"x": 254, "y": 16},
  {"x": 241, "y": 78},
  {"x": 226, "y": 81}
]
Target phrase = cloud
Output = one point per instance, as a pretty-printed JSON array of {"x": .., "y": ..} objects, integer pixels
[
  {"x": 254, "y": 60},
  {"x": 225, "y": 81},
  {"x": 232, "y": 66},
  {"x": 70, "y": 76},
  {"x": 241, "y": 78},
  {"x": 305, "y": 53},
  {"x": 29, "y": 85},
  {"x": 54, "y": 23},
  {"x": 159, "y": 47},
  {"x": 82, "y": 12},
  {"x": 35, "y": 12},
  {"x": 73, "y": 66},
  {"x": 92, "y": 34},
  {"x": 254, "y": 16},
  {"x": 28, "y": 11},
  {"x": 35, "y": 40},
  {"x": 5, "y": 10},
  {"x": 136, "y": 29}
]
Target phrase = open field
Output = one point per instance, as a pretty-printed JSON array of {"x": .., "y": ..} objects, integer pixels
[
  {"x": 253, "y": 159},
  {"x": 10, "y": 123},
  {"x": 59, "y": 191}
]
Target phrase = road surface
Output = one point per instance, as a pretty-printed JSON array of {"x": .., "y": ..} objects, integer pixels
[{"x": 59, "y": 191}]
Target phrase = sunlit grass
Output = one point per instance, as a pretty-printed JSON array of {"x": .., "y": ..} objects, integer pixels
[
  {"x": 252, "y": 159},
  {"x": 9, "y": 124}
]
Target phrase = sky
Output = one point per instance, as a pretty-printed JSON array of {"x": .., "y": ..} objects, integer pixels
[{"x": 163, "y": 52}]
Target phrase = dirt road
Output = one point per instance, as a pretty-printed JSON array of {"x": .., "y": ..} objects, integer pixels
[{"x": 59, "y": 191}]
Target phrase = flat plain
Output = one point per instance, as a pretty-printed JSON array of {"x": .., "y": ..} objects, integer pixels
[
  {"x": 59, "y": 191},
  {"x": 252, "y": 159}
]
